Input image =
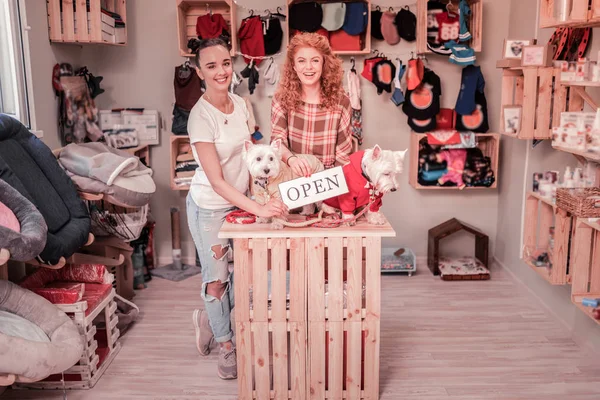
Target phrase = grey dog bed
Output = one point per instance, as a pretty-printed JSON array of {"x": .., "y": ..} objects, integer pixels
[
  {"x": 30, "y": 241},
  {"x": 35, "y": 358}
]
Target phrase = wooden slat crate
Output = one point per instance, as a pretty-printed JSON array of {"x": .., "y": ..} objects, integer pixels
[
  {"x": 176, "y": 142},
  {"x": 488, "y": 143},
  {"x": 188, "y": 12},
  {"x": 315, "y": 334},
  {"x": 475, "y": 25},
  {"x": 70, "y": 21},
  {"x": 542, "y": 97},
  {"x": 88, "y": 370},
  {"x": 584, "y": 13},
  {"x": 585, "y": 275},
  {"x": 540, "y": 215}
]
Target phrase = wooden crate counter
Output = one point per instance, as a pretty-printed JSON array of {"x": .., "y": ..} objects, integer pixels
[{"x": 316, "y": 331}]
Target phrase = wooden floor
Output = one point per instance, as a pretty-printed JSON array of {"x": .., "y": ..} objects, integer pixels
[{"x": 440, "y": 340}]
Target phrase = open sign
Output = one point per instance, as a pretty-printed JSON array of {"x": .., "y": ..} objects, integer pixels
[{"x": 318, "y": 187}]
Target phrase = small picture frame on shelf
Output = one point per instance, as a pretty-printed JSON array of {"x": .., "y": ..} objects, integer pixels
[
  {"x": 512, "y": 119},
  {"x": 513, "y": 49},
  {"x": 536, "y": 56}
]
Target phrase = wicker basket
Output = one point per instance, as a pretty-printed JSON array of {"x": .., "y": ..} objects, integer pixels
[{"x": 581, "y": 202}]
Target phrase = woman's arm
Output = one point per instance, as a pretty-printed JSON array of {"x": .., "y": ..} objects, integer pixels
[
  {"x": 343, "y": 147},
  {"x": 212, "y": 168}
]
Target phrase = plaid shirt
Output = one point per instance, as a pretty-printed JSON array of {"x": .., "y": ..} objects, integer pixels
[{"x": 311, "y": 129}]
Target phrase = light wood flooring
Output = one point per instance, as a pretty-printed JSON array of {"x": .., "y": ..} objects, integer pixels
[{"x": 440, "y": 340}]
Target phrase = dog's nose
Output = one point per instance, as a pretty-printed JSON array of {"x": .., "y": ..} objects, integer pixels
[
  {"x": 267, "y": 170},
  {"x": 393, "y": 190}
]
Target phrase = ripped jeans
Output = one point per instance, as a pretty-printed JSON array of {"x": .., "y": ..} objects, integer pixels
[{"x": 204, "y": 226}]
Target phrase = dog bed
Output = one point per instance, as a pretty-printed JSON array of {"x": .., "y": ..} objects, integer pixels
[
  {"x": 29, "y": 166},
  {"x": 463, "y": 269},
  {"x": 22, "y": 228},
  {"x": 36, "y": 338}
]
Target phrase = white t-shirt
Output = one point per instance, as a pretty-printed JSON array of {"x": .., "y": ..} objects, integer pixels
[{"x": 206, "y": 123}]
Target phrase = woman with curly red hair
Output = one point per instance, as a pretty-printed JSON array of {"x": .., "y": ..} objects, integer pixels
[{"x": 311, "y": 112}]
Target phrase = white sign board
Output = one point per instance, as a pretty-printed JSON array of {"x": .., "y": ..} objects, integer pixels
[{"x": 318, "y": 187}]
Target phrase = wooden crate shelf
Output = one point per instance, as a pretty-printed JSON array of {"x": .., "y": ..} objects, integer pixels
[
  {"x": 188, "y": 12},
  {"x": 295, "y": 344},
  {"x": 542, "y": 97},
  {"x": 585, "y": 275},
  {"x": 365, "y": 36},
  {"x": 489, "y": 143},
  {"x": 540, "y": 215},
  {"x": 584, "y": 13},
  {"x": 69, "y": 21},
  {"x": 475, "y": 25},
  {"x": 175, "y": 143}
]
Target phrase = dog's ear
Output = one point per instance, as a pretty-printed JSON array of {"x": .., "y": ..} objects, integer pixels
[
  {"x": 276, "y": 145},
  {"x": 247, "y": 146},
  {"x": 399, "y": 158},
  {"x": 376, "y": 152}
]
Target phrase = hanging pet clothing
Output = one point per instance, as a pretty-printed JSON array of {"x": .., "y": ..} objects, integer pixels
[
  {"x": 271, "y": 76},
  {"x": 388, "y": 28},
  {"x": 357, "y": 17},
  {"x": 383, "y": 76},
  {"x": 251, "y": 73},
  {"x": 252, "y": 42},
  {"x": 477, "y": 121},
  {"x": 187, "y": 85},
  {"x": 434, "y": 8},
  {"x": 236, "y": 81},
  {"x": 406, "y": 24},
  {"x": 416, "y": 70},
  {"x": 422, "y": 125},
  {"x": 472, "y": 80},
  {"x": 424, "y": 102},
  {"x": 368, "y": 65},
  {"x": 333, "y": 16},
  {"x": 461, "y": 53},
  {"x": 305, "y": 17},
  {"x": 272, "y": 35},
  {"x": 210, "y": 26},
  {"x": 464, "y": 11},
  {"x": 356, "y": 104},
  {"x": 376, "y": 24},
  {"x": 398, "y": 97}
]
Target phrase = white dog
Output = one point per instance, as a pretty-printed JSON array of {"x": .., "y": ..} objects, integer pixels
[
  {"x": 268, "y": 171},
  {"x": 370, "y": 174}
]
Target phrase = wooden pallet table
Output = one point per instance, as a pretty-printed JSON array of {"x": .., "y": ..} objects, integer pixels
[
  {"x": 316, "y": 334},
  {"x": 540, "y": 215},
  {"x": 585, "y": 282},
  {"x": 542, "y": 98}
]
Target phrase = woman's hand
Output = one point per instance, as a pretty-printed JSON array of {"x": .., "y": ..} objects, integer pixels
[
  {"x": 273, "y": 208},
  {"x": 299, "y": 166}
]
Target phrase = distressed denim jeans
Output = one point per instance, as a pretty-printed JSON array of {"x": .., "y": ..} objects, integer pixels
[{"x": 204, "y": 226}]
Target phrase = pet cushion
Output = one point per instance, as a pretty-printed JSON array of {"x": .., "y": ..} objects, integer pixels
[
  {"x": 22, "y": 228},
  {"x": 465, "y": 268},
  {"x": 29, "y": 166},
  {"x": 31, "y": 357}
]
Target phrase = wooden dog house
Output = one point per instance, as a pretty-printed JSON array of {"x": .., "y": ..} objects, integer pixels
[{"x": 448, "y": 228}]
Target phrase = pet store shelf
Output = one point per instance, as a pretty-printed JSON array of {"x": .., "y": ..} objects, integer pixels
[
  {"x": 542, "y": 99},
  {"x": 365, "y": 36},
  {"x": 188, "y": 12},
  {"x": 178, "y": 145},
  {"x": 540, "y": 215},
  {"x": 586, "y": 265},
  {"x": 584, "y": 13},
  {"x": 580, "y": 153},
  {"x": 70, "y": 21},
  {"x": 475, "y": 25},
  {"x": 489, "y": 143}
]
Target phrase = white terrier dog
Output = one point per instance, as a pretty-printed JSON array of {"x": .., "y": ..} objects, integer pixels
[
  {"x": 369, "y": 175},
  {"x": 268, "y": 171}
]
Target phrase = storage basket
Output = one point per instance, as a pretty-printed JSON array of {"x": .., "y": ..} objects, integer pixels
[
  {"x": 581, "y": 202},
  {"x": 110, "y": 220}
]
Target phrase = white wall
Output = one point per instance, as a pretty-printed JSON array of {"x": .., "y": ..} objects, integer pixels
[
  {"x": 141, "y": 75},
  {"x": 515, "y": 171}
]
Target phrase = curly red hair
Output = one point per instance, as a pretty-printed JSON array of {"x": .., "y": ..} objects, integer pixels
[{"x": 289, "y": 92}]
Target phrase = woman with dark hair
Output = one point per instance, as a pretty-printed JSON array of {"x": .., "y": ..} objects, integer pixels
[
  {"x": 311, "y": 113},
  {"x": 217, "y": 128}
]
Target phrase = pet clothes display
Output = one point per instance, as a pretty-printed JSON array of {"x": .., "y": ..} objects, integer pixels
[
  {"x": 464, "y": 11},
  {"x": 357, "y": 18},
  {"x": 416, "y": 70},
  {"x": 376, "y": 24},
  {"x": 306, "y": 17},
  {"x": 461, "y": 53},
  {"x": 334, "y": 15},
  {"x": 273, "y": 35},
  {"x": 448, "y": 27},
  {"x": 340, "y": 40},
  {"x": 251, "y": 73},
  {"x": 384, "y": 73},
  {"x": 210, "y": 26},
  {"x": 434, "y": 8},
  {"x": 29, "y": 166},
  {"x": 422, "y": 126},
  {"x": 271, "y": 76},
  {"x": 477, "y": 121},
  {"x": 188, "y": 87},
  {"x": 406, "y": 23},
  {"x": 455, "y": 162},
  {"x": 478, "y": 169},
  {"x": 443, "y": 138},
  {"x": 398, "y": 97},
  {"x": 472, "y": 80},
  {"x": 446, "y": 119},
  {"x": 368, "y": 65},
  {"x": 252, "y": 42},
  {"x": 356, "y": 104},
  {"x": 388, "y": 28},
  {"x": 424, "y": 102}
]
